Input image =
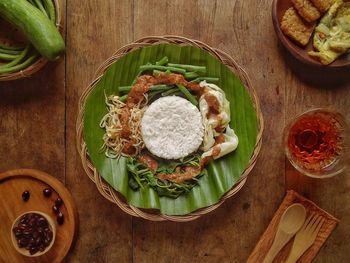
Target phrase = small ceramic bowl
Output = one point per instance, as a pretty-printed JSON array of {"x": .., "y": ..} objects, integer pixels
[
  {"x": 310, "y": 138},
  {"x": 279, "y": 7},
  {"x": 24, "y": 251}
]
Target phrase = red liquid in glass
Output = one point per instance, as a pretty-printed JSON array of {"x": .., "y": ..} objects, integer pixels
[{"x": 315, "y": 141}]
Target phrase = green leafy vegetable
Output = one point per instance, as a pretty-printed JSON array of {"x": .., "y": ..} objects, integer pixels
[{"x": 140, "y": 176}]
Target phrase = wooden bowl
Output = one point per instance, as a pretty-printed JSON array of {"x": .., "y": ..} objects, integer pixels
[
  {"x": 10, "y": 35},
  {"x": 24, "y": 251},
  {"x": 279, "y": 7}
]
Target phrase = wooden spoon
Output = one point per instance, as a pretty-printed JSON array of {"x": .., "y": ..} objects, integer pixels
[{"x": 290, "y": 222}]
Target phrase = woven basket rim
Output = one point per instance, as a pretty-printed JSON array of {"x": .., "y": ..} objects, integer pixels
[
  {"x": 112, "y": 195},
  {"x": 41, "y": 62}
]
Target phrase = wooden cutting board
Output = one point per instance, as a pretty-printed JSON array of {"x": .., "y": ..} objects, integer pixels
[{"x": 12, "y": 185}]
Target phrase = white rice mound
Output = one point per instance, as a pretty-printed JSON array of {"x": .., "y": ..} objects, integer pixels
[{"x": 172, "y": 128}]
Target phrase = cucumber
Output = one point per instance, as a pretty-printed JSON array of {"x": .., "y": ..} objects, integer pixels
[{"x": 38, "y": 29}]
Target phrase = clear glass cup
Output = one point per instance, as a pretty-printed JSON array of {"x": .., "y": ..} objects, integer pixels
[{"x": 308, "y": 142}]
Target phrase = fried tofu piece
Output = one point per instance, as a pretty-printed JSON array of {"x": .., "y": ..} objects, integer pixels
[
  {"x": 322, "y": 5},
  {"x": 293, "y": 26},
  {"x": 307, "y": 10}
]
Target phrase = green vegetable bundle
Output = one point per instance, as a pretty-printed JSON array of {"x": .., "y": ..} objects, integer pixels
[
  {"x": 36, "y": 20},
  {"x": 141, "y": 175}
]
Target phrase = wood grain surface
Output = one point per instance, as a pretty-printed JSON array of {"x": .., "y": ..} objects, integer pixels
[
  {"x": 12, "y": 184},
  {"x": 37, "y": 129}
]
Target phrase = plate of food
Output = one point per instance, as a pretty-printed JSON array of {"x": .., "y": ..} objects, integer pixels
[
  {"x": 170, "y": 128},
  {"x": 317, "y": 32}
]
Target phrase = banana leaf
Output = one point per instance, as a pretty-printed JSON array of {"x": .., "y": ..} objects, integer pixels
[{"x": 222, "y": 173}]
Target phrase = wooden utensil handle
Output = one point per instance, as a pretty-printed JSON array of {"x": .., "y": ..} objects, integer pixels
[{"x": 281, "y": 239}]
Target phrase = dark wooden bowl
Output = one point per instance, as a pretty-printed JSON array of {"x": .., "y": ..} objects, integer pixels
[{"x": 279, "y": 7}]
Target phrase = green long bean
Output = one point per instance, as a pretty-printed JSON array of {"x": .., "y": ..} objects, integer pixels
[
  {"x": 7, "y": 57},
  {"x": 50, "y": 9},
  {"x": 193, "y": 68},
  {"x": 163, "y": 61},
  {"x": 164, "y": 68},
  {"x": 187, "y": 94},
  {"x": 10, "y": 47},
  {"x": 17, "y": 60},
  {"x": 21, "y": 66},
  {"x": 126, "y": 89},
  {"x": 123, "y": 98},
  {"x": 209, "y": 79},
  {"x": 9, "y": 51},
  {"x": 191, "y": 75},
  {"x": 170, "y": 92},
  {"x": 40, "y": 6}
]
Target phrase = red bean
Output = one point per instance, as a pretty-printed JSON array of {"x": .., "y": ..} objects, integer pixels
[
  {"x": 60, "y": 218},
  {"x": 55, "y": 209},
  {"x": 33, "y": 233},
  {"x": 58, "y": 202},
  {"x": 47, "y": 192},
  {"x": 25, "y": 196}
]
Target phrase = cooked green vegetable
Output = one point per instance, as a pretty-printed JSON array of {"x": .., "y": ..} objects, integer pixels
[
  {"x": 209, "y": 79},
  {"x": 140, "y": 175},
  {"x": 332, "y": 35},
  {"x": 123, "y": 98},
  {"x": 170, "y": 92},
  {"x": 188, "y": 94},
  {"x": 164, "y": 68},
  {"x": 38, "y": 28},
  {"x": 162, "y": 62},
  {"x": 191, "y": 68},
  {"x": 126, "y": 89},
  {"x": 191, "y": 75}
]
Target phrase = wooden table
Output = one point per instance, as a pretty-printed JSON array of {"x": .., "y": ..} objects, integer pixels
[{"x": 38, "y": 114}]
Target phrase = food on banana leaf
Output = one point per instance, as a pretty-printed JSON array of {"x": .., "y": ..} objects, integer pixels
[
  {"x": 332, "y": 35},
  {"x": 169, "y": 124}
]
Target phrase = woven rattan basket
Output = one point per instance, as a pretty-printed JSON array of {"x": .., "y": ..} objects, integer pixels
[
  {"x": 105, "y": 189},
  {"x": 41, "y": 62}
]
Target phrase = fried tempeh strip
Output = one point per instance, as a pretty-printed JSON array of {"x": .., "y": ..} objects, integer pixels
[
  {"x": 322, "y": 5},
  {"x": 306, "y": 10},
  {"x": 293, "y": 26}
]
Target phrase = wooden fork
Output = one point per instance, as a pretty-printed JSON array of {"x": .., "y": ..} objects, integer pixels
[{"x": 305, "y": 237}]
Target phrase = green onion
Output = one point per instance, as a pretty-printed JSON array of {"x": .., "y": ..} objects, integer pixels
[
  {"x": 187, "y": 94},
  {"x": 193, "y": 68}
]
